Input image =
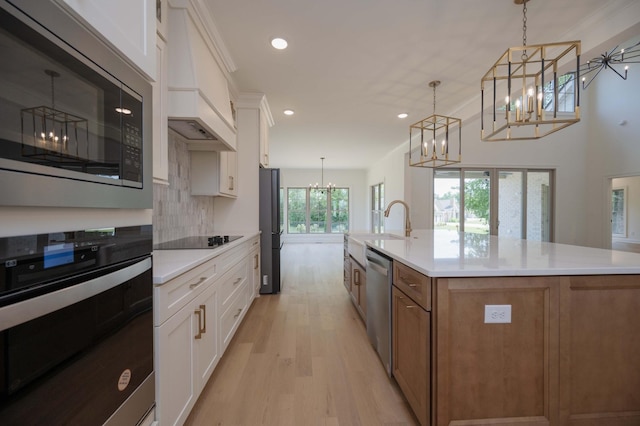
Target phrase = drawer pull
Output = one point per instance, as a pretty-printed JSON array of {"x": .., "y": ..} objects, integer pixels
[
  {"x": 237, "y": 281},
  {"x": 238, "y": 314},
  {"x": 200, "y": 281},
  {"x": 412, "y": 285},
  {"x": 204, "y": 318},
  {"x": 199, "y": 314}
]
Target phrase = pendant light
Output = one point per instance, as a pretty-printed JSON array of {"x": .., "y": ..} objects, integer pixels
[
  {"x": 612, "y": 60},
  {"x": 531, "y": 90},
  {"x": 435, "y": 141},
  {"x": 51, "y": 134},
  {"x": 330, "y": 187}
]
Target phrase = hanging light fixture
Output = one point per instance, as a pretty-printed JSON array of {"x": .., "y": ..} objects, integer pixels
[
  {"x": 330, "y": 187},
  {"x": 52, "y": 134},
  {"x": 435, "y": 141},
  {"x": 612, "y": 59},
  {"x": 531, "y": 91}
]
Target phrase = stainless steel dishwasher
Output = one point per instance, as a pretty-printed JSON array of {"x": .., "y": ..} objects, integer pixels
[{"x": 379, "y": 275}]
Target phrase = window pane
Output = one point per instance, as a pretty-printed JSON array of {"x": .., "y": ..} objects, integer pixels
[
  {"x": 510, "y": 201},
  {"x": 539, "y": 206},
  {"x": 618, "y": 227},
  {"x": 340, "y": 210},
  {"x": 476, "y": 201},
  {"x": 317, "y": 211},
  {"x": 446, "y": 199},
  {"x": 377, "y": 207},
  {"x": 297, "y": 210}
]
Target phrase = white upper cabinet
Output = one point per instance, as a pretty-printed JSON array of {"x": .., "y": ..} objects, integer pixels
[{"x": 129, "y": 26}]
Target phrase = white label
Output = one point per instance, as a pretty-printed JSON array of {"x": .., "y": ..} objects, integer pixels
[{"x": 124, "y": 380}]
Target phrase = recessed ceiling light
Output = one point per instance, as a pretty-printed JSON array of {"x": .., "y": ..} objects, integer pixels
[
  {"x": 279, "y": 43},
  {"x": 403, "y": 115},
  {"x": 288, "y": 112}
]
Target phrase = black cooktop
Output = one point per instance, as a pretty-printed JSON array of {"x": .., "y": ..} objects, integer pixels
[{"x": 197, "y": 242}]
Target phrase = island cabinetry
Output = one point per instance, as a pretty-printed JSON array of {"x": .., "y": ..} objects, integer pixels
[
  {"x": 416, "y": 285},
  {"x": 359, "y": 288},
  {"x": 488, "y": 372},
  {"x": 411, "y": 346},
  {"x": 600, "y": 349},
  {"x": 187, "y": 342}
]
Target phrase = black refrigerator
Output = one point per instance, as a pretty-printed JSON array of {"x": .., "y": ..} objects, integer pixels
[{"x": 271, "y": 231}]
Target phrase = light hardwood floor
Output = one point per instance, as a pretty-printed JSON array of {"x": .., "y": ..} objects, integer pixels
[{"x": 302, "y": 357}]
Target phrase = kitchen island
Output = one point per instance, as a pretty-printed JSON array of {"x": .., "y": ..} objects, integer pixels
[{"x": 490, "y": 330}]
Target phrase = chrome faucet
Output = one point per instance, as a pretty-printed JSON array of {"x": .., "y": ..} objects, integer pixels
[{"x": 407, "y": 221}]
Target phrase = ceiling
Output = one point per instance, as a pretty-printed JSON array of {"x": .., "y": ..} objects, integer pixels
[{"x": 353, "y": 65}]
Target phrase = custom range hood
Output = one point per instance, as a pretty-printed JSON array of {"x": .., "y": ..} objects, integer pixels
[{"x": 199, "y": 106}]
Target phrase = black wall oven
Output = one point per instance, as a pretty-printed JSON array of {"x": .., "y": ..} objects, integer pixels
[
  {"x": 76, "y": 327},
  {"x": 75, "y": 119}
]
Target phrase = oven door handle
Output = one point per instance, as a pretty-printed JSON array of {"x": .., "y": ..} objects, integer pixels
[{"x": 26, "y": 310}]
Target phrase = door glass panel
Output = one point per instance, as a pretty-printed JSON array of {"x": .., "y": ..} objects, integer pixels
[
  {"x": 539, "y": 206},
  {"x": 446, "y": 199},
  {"x": 510, "y": 203},
  {"x": 477, "y": 190}
]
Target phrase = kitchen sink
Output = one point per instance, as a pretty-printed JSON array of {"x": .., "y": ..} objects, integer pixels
[{"x": 357, "y": 247}]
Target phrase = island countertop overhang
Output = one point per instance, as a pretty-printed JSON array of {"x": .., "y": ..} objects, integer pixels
[{"x": 453, "y": 254}]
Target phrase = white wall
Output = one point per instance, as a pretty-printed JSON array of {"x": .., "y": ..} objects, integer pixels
[
  {"x": 355, "y": 180},
  {"x": 614, "y": 145}
]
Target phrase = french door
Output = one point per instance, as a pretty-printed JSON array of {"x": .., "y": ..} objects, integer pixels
[{"x": 513, "y": 203}]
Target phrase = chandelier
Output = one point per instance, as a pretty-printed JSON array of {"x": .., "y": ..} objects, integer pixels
[
  {"x": 610, "y": 60},
  {"x": 531, "y": 91},
  {"x": 322, "y": 187},
  {"x": 435, "y": 141},
  {"x": 51, "y": 134}
]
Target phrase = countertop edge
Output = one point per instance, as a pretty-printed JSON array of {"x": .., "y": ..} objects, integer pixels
[{"x": 169, "y": 264}]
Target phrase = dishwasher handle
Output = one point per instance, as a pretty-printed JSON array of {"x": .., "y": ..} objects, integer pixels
[{"x": 376, "y": 267}]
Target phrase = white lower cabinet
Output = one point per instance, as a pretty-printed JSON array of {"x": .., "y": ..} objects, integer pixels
[
  {"x": 197, "y": 314},
  {"x": 188, "y": 347}
]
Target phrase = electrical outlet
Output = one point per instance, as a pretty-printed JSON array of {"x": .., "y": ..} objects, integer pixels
[{"x": 497, "y": 314}]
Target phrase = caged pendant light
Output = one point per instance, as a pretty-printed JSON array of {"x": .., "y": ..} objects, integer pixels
[
  {"x": 435, "y": 141},
  {"x": 532, "y": 90}
]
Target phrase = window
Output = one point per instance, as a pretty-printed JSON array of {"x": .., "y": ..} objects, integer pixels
[
  {"x": 317, "y": 211},
  {"x": 566, "y": 94},
  {"x": 377, "y": 208},
  {"x": 618, "y": 213},
  {"x": 505, "y": 202}
]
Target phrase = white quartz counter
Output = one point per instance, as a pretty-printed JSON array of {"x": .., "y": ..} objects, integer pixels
[
  {"x": 453, "y": 254},
  {"x": 168, "y": 264}
]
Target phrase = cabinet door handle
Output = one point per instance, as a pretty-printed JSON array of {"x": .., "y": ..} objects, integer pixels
[
  {"x": 356, "y": 277},
  {"x": 255, "y": 266},
  {"x": 203, "y": 308},
  {"x": 238, "y": 314},
  {"x": 230, "y": 183},
  {"x": 200, "y": 281},
  {"x": 199, "y": 314}
]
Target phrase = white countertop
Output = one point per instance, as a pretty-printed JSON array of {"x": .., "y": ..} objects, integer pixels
[
  {"x": 453, "y": 254},
  {"x": 168, "y": 264}
]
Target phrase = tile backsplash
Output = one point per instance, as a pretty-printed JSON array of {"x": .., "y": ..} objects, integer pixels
[{"x": 176, "y": 213}]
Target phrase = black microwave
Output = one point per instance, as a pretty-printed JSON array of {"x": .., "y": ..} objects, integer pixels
[{"x": 75, "y": 118}]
